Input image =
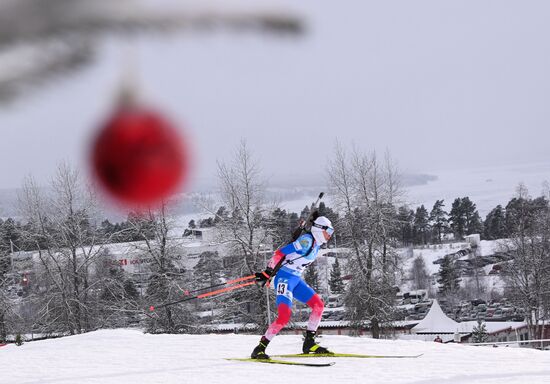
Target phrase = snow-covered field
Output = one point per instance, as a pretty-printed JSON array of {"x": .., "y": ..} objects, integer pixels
[{"x": 129, "y": 356}]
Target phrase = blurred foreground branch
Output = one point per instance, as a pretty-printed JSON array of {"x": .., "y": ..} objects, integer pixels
[{"x": 41, "y": 40}]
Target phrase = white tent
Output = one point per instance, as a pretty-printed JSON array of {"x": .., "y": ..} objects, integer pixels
[{"x": 436, "y": 322}]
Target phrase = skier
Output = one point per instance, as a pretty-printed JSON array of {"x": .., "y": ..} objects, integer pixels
[{"x": 289, "y": 285}]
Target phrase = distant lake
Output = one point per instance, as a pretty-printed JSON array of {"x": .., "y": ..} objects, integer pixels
[{"x": 487, "y": 186}]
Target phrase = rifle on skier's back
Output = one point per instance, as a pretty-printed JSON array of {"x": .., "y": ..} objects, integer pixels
[{"x": 304, "y": 225}]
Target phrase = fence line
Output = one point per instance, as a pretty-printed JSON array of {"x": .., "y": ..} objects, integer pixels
[{"x": 512, "y": 342}]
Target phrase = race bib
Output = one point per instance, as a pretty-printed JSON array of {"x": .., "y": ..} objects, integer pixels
[{"x": 282, "y": 289}]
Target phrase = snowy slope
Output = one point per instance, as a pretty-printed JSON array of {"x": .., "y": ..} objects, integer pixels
[
  {"x": 432, "y": 253},
  {"x": 129, "y": 356}
]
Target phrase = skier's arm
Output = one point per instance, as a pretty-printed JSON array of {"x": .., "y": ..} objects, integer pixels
[
  {"x": 264, "y": 276},
  {"x": 277, "y": 257},
  {"x": 300, "y": 246}
]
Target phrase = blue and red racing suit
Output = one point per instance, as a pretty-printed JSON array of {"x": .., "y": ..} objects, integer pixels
[{"x": 288, "y": 283}]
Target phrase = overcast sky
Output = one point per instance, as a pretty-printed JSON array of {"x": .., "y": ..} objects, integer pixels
[{"x": 441, "y": 84}]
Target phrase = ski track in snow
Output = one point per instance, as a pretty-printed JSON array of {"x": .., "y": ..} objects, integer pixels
[{"x": 129, "y": 356}]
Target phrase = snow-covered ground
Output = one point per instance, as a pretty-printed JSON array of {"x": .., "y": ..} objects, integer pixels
[
  {"x": 431, "y": 253},
  {"x": 129, "y": 356}
]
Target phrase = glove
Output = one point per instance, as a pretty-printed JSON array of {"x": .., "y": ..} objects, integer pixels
[{"x": 264, "y": 276}]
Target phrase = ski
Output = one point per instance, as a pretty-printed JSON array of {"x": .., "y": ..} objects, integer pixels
[
  {"x": 284, "y": 362},
  {"x": 350, "y": 355}
]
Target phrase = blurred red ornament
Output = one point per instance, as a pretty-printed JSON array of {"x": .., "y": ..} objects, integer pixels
[{"x": 138, "y": 156}]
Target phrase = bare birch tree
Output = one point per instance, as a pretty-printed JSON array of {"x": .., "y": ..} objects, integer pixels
[
  {"x": 167, "y": 275},
  {"x": 242, "y": 192},
  {"x": 61, "y": 224},
  {"x": 366, "y": 193}
]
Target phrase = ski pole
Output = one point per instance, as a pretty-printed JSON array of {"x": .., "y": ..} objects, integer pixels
[
  {"x": 244, "y": 278},
  {"x": 152, "y": 308},
  {"x": 227, "y": 289}
]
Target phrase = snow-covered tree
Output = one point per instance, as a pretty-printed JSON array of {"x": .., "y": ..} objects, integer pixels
[
  {"x": 479, "y": 333},
  {"x": 280, "y": 224},
  {"x": 421, "y": 225},
  {"x": 119, "y": 299},
  {"x": 311, "y": 277},
  {"x": 449, "y": 277},
  {"x": 527, "y": 275},
  {"x": 495, "y": 224},
  {"x": 5, "y": 307},
  {"x": 209, "y": 269},
  {"x": 405, "y": 223},
  {"x": 419, "y": 274},
  {"x": 456, "y": 218},
  {"x": 438, "y": 219},
  {"x": 336, "y": 282},
  {"x": 4, "y": 280},
  {"x": 464, "y": 218},
  {"x": 472, "y": 219}
]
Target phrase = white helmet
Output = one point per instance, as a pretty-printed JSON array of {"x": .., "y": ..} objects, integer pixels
[{"x": 322, "y": 230}]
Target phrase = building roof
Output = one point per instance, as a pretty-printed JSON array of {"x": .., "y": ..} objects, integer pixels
[{"x": 492, "y": 326}]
